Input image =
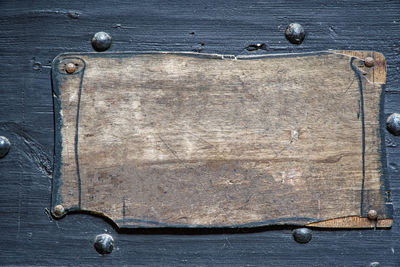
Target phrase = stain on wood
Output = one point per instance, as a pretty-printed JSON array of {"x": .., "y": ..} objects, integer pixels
[{"x": 186, "y": 140}]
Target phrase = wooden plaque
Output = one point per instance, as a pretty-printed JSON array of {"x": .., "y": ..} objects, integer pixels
[{"x": 193, "y": 140}]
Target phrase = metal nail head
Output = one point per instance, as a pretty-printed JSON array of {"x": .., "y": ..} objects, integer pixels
[
  {"x": 372, "y": 214},
  {"x": 295, "y": 33},
  {"x": 59, "y": 210},
  {"x": 4, "y": 146},
  {"x": 302, "y": 235},
  {"x": 70, "y": 67},
  {"x": 393, "y": 124},
  {"x": 104, "y": 243},
  {"x": 369, "y": 62},
  {"x": 101, "y": 41}
]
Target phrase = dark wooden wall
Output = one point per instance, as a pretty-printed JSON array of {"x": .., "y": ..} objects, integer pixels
[{"x": 32, "y": 33}]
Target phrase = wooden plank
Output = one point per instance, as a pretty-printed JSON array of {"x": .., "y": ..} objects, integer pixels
[{"x": 164, "y": 139}]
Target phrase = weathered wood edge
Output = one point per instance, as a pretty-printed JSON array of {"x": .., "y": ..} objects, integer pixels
[
  {"x": 58, "y": 123},
  {"x": 375, "y": 75},
  {"x": 352, "y": 222}
]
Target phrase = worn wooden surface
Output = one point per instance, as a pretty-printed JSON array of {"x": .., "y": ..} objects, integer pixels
[
  {"x": 180, "y": 140},
  {"x": 352, "y": 222},
  {"x": 34, "y": 32}
]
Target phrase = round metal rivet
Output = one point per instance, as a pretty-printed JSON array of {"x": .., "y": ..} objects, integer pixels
[
  {"x": 4, "y": 146},
  {"x": 104, "y": 244},
  {"x": 101, "y": 41},
  {"x": 59, "y": 210},
  {"x": 374, "y": 264},
  {"x": 369, "y": 62},
  {"x": 372, "y": 215},
  {"x": 393, "y": 124},
  {"x": 302, "y": 235},
  {"x": 295, "y": 33},
  {"x": 70, "y": 67}
]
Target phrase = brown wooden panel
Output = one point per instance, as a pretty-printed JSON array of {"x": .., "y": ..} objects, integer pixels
[{"x": 175, "y": 139}]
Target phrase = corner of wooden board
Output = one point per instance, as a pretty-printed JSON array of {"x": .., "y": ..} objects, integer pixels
[{"x": 376, "y": 73}]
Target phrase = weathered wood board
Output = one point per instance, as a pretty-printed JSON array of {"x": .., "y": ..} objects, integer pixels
[{"x": 189, "y": 140}]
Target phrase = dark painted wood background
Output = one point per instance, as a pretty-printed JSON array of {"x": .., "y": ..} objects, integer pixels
[{"x": 32, "y": 33}]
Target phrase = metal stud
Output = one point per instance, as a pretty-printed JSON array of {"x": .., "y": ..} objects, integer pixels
[
  {"x": 104, "y": 243},
  {"x": 302, "y": 235},
  {"x": 70, "y": 67},
  {"x": 4, "y": 146},
  {"x": 393, "y": 124},
  {"x": 101, "y": 41},
  {"x": 59, "y": 210},
  {"x": 369, "y": 62},
  {"x": 372, "y": 214},
  {"x": 295, "y": 33}
]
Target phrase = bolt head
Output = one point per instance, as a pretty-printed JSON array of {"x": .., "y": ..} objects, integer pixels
[
  {"x": 70, "y": 67},
  {"x": 302, "y": 235},
  {"x": 372, "y": 214},
  {"x": 101, "y": 41},
  {"x": 4, "y": 146},
  {"x": 295, "y": 33},
  {"x": 393, "y": 124},
  {"x": 59, "y": 210},
  {"x": 369, "y": 62},
  {"x": 104, "y": 243}
]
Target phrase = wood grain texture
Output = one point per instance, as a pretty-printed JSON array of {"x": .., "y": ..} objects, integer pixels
[
  {"x": 35, "y": 32},
  {"x": 161, "y": 140}
]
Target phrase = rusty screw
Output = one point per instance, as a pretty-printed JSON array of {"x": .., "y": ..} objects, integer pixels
[
  {"x": 59, "y": 210},
  {"x": 369, "y": 62},
  {"x": 70, "y": 67},
  {"x": 372, "y": 215}
]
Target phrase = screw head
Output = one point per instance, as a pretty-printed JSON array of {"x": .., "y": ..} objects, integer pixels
[
  {"x": 302, "y": 235},
  {"x": 372, "y": 214},
  {"x": 59, "y": 210},
  {"x": 369, "y": 62},
  {"x": 4, "y": 146},
  {"x": 101, "y": 41},
  {"x": 393, "y": 124},
  {"x": 104, "y": 243},
  {"x": 70, "y": 67},
  {"x": 295, "y": 33}
]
